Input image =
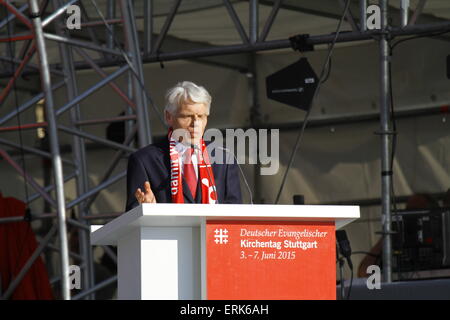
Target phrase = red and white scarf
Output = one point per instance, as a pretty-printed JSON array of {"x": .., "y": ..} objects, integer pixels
[{"x": 207, "y": 184}]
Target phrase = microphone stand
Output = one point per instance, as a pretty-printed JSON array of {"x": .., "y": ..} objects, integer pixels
[{"x": 242, "y": 173}]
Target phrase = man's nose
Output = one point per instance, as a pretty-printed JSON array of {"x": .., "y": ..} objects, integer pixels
[{"x": 195, "y": 120}]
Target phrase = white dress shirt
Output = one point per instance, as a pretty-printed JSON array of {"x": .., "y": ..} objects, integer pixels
[{"x": 181, "y": 149}]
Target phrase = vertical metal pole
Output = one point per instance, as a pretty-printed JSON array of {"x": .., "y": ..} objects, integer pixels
[
  {"x": 404, "y": 7},
  {"x": 91, "y": 31},
  {"x": 254, "y": 26},
  {"x": 148, "y": 26},
  {"x": 255, "y": 113},
  {"x": 129, "y": 125},
  {"x": 386, "y": 174},
  {"x": 132, "y": 43},
  {"x": 111, "y": 13},
  {"x": 54, "y": 148},
  {"x": 78, "y": 148},
  {"x": 11, "y": 45},
  {"x": 255, "y": 119},
  {"x": 363, "y": 15}
]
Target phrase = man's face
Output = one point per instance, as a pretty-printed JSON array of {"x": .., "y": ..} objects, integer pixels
[{"x": 190, "y": 117}]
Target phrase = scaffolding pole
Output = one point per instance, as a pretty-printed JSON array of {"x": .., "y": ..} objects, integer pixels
[
  {"x": 78, "y": 148},
  {"x": 385, "y": 134},
  {"x": 132, "y": 44},
  {"x": 54, "y": 147}
]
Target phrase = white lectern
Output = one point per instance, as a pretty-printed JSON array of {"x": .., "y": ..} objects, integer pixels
[{"x": 162, "y": 247}]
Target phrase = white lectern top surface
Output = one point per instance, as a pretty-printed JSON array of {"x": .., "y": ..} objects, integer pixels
[{"x": 192, "y": 215}]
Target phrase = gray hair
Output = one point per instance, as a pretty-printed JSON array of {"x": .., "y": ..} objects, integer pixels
[{"x": 186, "y": 92}]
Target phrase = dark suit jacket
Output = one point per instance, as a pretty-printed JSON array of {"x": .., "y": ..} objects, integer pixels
[{"x": 152, "y": 163}]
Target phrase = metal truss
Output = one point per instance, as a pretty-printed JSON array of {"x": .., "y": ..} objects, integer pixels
[{"x": 34, "y": 24}]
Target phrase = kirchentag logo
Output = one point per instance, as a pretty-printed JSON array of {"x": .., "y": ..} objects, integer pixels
[
  {"x": 74, "y": 17},
  {"x": 221, "y": 236}
]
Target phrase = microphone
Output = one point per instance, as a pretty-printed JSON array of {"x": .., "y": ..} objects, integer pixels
[
  {"x": 344, "y": 246},
  {"x": 242, "y": 173},
  {"x": 195, "y": 147}
]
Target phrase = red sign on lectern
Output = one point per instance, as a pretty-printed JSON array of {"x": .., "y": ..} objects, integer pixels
[{"x": 270, "y": 260}]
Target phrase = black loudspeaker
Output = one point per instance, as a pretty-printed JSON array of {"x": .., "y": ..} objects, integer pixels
[{"x": 293, "y": 85}]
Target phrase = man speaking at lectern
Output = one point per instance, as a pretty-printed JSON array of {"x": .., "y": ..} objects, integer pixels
[{"x": 178, "y": 170}]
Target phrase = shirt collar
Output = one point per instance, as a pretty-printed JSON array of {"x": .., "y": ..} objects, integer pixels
[{"x": 181, "y": 147}]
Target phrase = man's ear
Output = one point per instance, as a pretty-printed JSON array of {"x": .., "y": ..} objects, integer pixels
[{"x": 169, "y": 118}]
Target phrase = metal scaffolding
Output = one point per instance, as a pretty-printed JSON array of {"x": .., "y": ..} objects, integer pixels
[{"x": 121, "y": 45}]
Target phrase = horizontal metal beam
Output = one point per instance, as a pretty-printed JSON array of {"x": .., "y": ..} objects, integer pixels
[
  {"x": 18, "y": 13},
  {"x": 97, "y": 189},
  {"x": 95, "y": 138},
  {"x": 344, "y": 37},
  {"x": 30, "y": 103},
  {"x": 29, "y": 65},
  {"x": 17, "y": 37},
  {"x": 97, "y": 287},
  {"x": 26, "y": 126},
  {"x": 12, "y": 16},
  {"x": 372, "y": 202},
  {"x": 83, "y": 44},
  {"x": 5, "y": 92},
  {"x": 27, "y": 177},
  {"x": 32, "y": 150},
  {"x": 49, "y": 188},
  {"x": 104, "y": 120},
  {"x": 100, "y": 23},
  {"x": 71, "y": 221},
  {"x": 115, "y": 160},
  {"x": 357, "y": 118},
  {"x": 91, "y": 90},
  {"x": 71, "y": 254},
  {"x": 103, "y": 74}
]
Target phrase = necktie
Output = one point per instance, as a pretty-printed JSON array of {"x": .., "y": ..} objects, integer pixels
[{"x": 189, "y": 172}]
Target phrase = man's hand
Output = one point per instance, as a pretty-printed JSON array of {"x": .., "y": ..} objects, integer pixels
[{"x": 147, "y": 197}]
